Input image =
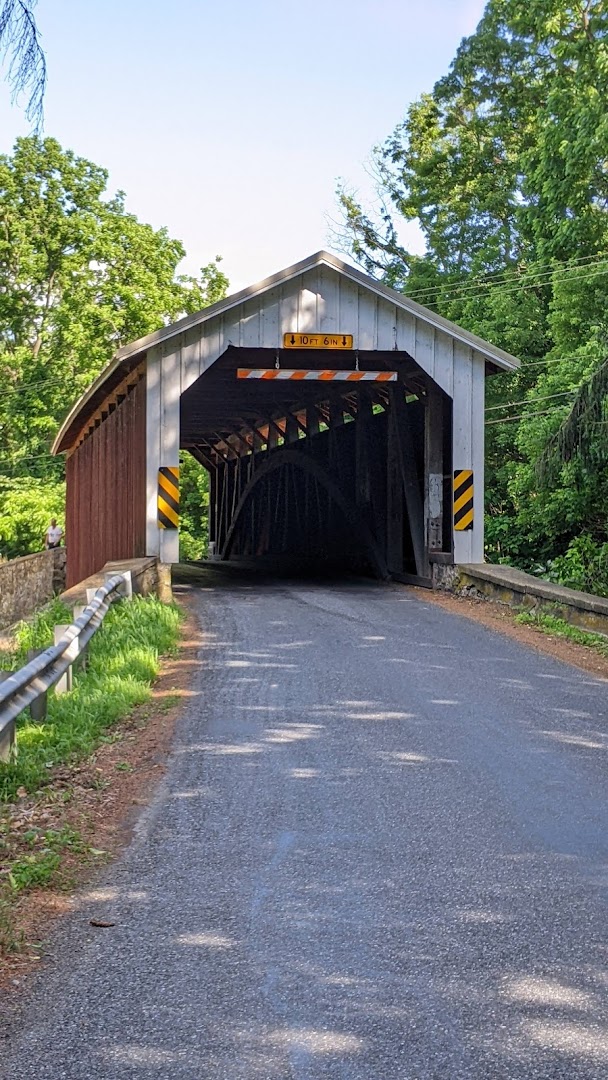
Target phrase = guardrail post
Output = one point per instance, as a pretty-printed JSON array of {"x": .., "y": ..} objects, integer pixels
[
  {"x": 125, "y": 589},
  {"x": 64, "y": 683},
  {"x": 8, "y": 745},
  {"x": 38, "y": 706},
  {"x": 23, "y": 686},
  {"x": 8, "y": 741},
  {"x": 79, "y": 609}
]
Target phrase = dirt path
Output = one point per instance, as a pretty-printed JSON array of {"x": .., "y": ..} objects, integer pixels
[{"x": 501, "y": 618}]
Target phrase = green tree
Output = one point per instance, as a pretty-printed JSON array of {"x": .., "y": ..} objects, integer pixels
[
  {"x": 79, "y": 277},
  {"x": 20, "y": 48},
  {"x": 503, "y": 164},
  {"x": 27, "y": 508},
  {"x": 193, "y": 508}
]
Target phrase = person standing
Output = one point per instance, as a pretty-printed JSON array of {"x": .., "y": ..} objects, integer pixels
[{"x": 53, "y": 535}]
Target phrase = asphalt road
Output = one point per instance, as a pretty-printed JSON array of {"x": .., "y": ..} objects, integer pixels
[{"x": 379, "y": 853}]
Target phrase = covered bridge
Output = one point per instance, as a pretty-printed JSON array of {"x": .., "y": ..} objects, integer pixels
[{"x": 339, "y": 421}]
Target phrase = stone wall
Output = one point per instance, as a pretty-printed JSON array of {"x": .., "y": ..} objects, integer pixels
[
  {"x": 28, "y": 583},
  {"x": 522, "y": 591}
]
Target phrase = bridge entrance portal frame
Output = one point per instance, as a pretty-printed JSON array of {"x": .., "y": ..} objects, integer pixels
[{"x": 363, "y": 467}]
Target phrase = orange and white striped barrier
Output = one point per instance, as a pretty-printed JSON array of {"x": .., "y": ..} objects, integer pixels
[{"x": 302, "y": 374}]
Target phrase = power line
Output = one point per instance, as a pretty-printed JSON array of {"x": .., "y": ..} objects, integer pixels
[
  {"x": 28, "y": 457},
  {"x": 32, "y": 387},
  {"x": 464, "y": 284},
  {"x": 525, "y": 364},
  {"x": 529, "y": 401},
  {"x": 522, "y": 416},
  {"x": 483, "y": 286},
  {"x": 524, "y": 288}
]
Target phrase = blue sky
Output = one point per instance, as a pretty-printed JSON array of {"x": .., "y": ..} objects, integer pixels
[{"x": 230, "y": 122}]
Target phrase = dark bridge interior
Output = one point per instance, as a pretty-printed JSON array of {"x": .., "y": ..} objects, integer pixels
[{"x": 324, "y": 472}]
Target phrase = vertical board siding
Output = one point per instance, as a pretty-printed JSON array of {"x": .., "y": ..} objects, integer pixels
[
  {"x": 191, "y": 357},
  {"x": 308, "y": 302},
  {"x": 444, "y": 362},
  {"x": 289, "y": 313},
  {"x": 321, "y": 300},
  {"x": 270, "y": 329},
  {"x": 478, "y": 407},
  {"x": 387, "y": 325},
  {"x": 367, "y": 330},
  {"x": 232, "y": 326},
  {"x": 462, "y": 444},
  {"x": 462, "y": 397},
  {"x": 348, "y": 313},
  {"x": 424, "y": 348},
  {"x": 406, "y": 332},
  {"x": 106, "y": 491},
  {"x": 249, "y": 331},
  {"x": 329, "y": 302},
  {"x": 167, "y": 540},
  {"x": 153, "y": 414}
]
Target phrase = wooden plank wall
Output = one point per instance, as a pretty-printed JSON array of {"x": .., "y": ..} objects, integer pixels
[{"x": 106, "y": 491}]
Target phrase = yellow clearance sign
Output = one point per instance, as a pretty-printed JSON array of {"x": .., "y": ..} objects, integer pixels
[{"x": 317, "y": 341}]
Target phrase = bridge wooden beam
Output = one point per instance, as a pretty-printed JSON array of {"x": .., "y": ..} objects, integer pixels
[
  {"x": 409, "y": 478},
  {"x": 433, "y": 468}
]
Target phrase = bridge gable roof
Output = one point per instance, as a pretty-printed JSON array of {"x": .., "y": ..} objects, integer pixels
[{"x": 129, "y": 356}]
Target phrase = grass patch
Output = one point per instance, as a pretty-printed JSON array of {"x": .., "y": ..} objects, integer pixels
[
  {"x": 36, "y": 633},
  {"x": 550, "y": 624},
  {"x": 123, "y": 662},
  {"x": 33, "y": 860}
]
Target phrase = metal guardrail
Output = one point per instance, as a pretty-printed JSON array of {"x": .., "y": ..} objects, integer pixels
[{"x": 26, "y": 685}]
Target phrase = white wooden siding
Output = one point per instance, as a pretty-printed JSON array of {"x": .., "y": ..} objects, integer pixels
[{"x": 321, "y": 298}]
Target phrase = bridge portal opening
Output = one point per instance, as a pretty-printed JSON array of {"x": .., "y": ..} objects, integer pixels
[{"x": 322, "y": 473}]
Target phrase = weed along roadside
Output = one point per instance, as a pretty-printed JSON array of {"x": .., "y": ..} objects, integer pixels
[{"x": 67, "y": 769}]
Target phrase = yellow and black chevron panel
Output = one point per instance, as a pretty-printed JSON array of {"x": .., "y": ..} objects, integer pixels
[
  {"x": 168, "y": 497},
  {"x": 463, "y": 499}
]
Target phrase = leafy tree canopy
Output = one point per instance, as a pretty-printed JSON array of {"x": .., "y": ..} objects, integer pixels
[
  {"x": 79, "y": 277},
  {"x": 503, "y": 164}
]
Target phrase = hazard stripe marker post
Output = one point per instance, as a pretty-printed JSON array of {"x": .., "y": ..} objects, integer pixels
[
  {"x": 168, "y": 497},
  {"x": 305, "y": 375},
  {"x": 463, "y": 499}
]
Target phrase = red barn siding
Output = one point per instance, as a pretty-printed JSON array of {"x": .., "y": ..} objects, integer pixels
[{"x": 106, "y": 491}]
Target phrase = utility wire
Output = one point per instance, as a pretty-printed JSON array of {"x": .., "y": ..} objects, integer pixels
[
  {"x": 31, "y": 387},
  {"x": 466, "y": 284},
  {"x": 524, "y": 288},
  {"x": 522, "y": 416},
  {"x": 530, "y": 269},
  {"x": 525, "y": 364},
  {"x": 529, "y": 401},
  {"x": 29, "y": 457}
]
